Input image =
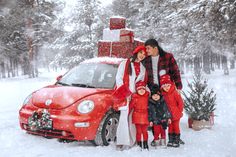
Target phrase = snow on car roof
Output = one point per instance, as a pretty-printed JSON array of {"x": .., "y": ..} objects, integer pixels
[{"x": 108, "y": 60}]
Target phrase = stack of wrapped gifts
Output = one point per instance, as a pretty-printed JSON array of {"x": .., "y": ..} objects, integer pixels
[{"x": 117, "y": 41}]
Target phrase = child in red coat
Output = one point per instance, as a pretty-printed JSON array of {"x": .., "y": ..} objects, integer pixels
[
  {"x": 139, "y": 104},
  {"x": 175, "y": 105}
]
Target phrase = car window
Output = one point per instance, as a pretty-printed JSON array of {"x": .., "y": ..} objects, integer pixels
[{"x": 97, "y": 75}]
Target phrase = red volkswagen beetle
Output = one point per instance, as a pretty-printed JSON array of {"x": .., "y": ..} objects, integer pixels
[{"x": 79, "y": 106}]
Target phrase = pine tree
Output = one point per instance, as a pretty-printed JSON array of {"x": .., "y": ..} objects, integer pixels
[
  {"x": 79, "y": 43},
  {"x": 200, "y": 102},
  {"x": 24, "y": 28}
]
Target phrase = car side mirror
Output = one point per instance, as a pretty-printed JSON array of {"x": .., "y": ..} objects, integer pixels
[{"x": 59, "y": 77}]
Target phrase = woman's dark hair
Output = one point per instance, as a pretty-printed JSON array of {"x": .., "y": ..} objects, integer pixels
[
  {"x": 132, "y": 59},
  {"x": 153, "y": 43}
]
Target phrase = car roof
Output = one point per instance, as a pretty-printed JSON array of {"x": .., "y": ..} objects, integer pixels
[{"x": 106, "y": 60}]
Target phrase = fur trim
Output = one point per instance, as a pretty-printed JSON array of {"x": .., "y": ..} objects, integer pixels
[{"x": 162, "y": 72}]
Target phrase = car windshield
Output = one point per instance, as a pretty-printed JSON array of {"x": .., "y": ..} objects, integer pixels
[{"x": 91, "y": 75}]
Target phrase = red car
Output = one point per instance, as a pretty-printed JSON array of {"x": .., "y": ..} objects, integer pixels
[{"x": 79, "y": 106}]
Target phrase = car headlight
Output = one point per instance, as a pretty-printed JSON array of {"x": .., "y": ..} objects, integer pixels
[
  {"x": 27, "y": 99},
  {"x": 85, "y": 106}
]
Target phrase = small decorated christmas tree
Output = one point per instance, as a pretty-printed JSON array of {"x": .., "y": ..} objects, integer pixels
[{"x": 200, "y": 102}]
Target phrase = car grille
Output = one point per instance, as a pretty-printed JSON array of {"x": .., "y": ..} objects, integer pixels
[{"x": 50, "y": 133}]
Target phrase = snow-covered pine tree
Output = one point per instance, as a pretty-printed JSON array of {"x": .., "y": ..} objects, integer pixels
[
  {"x": 121, "y": 8},
  {"x": 190, "y": 29},
  {"x": 15, "y": 32},
  {"x": 200, "y": 102},
  {"x": 79, "y": 39}
]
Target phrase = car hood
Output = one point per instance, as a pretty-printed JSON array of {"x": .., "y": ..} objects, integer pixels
[{"x": 58, "y": 97}]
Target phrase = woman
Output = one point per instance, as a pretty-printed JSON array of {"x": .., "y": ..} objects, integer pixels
[{"x": 130, "y": 71}]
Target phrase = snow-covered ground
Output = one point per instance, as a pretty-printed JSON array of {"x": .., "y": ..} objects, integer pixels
[{"x": 220, "y": 141}]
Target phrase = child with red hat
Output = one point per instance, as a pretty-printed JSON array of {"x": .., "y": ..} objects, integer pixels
[
  {"x": 175, "y": 104},
  {"x": 139, "y": 105}
]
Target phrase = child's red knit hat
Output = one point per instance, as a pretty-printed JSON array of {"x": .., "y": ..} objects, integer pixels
[
  {"x": 140, "y": 85},
  {"x": 164, "y": 78}
]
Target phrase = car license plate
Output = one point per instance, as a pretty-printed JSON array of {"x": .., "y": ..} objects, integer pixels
[{"x": 40, "y": 120}]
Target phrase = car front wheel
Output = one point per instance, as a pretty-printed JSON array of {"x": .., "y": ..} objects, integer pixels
[{"x": 107, "y": 129}]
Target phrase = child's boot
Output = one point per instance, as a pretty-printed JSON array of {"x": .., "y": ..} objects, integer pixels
[
  {"x": 176, "y": 140},
  {"x": 181, "y": 141},
  {"x": 139, "y": 144},
  {"x": 163, "y": 142},
  {"x": 155, "y": 143},
  {"x": 171, "y": 139},
  {"x": 145, "y": 145}
]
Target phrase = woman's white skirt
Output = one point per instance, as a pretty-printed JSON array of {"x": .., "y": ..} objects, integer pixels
[{"x": 126, "y": 132}]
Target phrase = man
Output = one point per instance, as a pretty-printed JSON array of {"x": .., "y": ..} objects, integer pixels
[{"x": 159, "y": 60}]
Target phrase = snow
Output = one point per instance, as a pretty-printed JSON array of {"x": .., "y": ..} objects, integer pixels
[
  {"x": 118, "y": 17},
  {"x": 103, "y": 2},
  {"x": 138, "y": 39},
  {"x": 104, "y": 60},
  {"x": 220, "y": 141}
]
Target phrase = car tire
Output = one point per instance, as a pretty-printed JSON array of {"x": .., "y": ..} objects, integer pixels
[{"x": 107, "y": 129}]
